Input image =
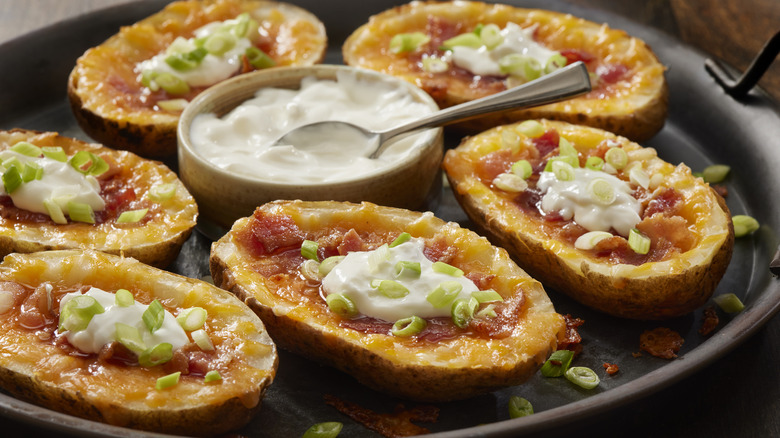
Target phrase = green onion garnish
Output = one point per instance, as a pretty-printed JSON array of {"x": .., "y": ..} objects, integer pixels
[
  {"x": 12, "y": 179},
  {"x": 715, "y": 173},
  {"x": 444, "y": 294},
  {"x": 616, "y": 157},
  {"x": 55, "y": 212},
  {"x": 173, "y": 104},
  {"x": 601, "y": 191},
  {"x": 201, "y": 338},
  {"x": 130, "y": 337},
  {"x": 469, "y": 39},
  {"x": 402, "y": 238},
  {"x": 590, "y": 239},
  {"x": 594, "y": 163},
  {"x": 569, "y": 159},
  {"x": 391, "y": 289},
  {"x": 519, "y": 407},
  {"x": 330, "y": 429},
  {"x": 88, "y": 163},
  {"x": 639, "y": 177},
  {"x": 124, "y": 298},
  {"x": 638, "y": 242},
  {"x": 487, "y": 296},
  {"x": 242, "y": 26},
  {"x": 162, "y": 192},
  {"x": 328, "y": 264},
  {"x": 27, "y": 149},
  {"x": 491, "y": 37},
  {"x": 258, "y": 58},
  {"x": 168, "y": 381},
  {"x": 557, "y": 364},
  {"x": 563, "y": 171},
  {"x": 432, "y": 64},
  {"x": 78, "y": 312},
  {"x": 186, "y": 61},
  {"x": 408, "y": 326},
  {"x": 408, "y": 269},
  {"x": 555, "y": 62},
  {"x": 744, "y": 225},
  {"x": 55, "y": 153},
  {"x": 192, "y": 318},
  {"x": 31, "y": 171},
  {"x": 522, "y": 169},
  {"x": 80, "y": 212},
  {"x": 310, "y": 270},
  {"x": 341, "y": 305},
  {"x": 171, "y": 84},
  {"x": 157, "y": 355},
  {"x": 444, "y": 268},
  {"x": 309, "y": 250},
  {"x": 212, "y": 376},
  {"x": 566, "y": 149},
  {"x": 523, "y": 66},
  {"x": 377, "y": 257},
  {"x": 408, "y": 42},
  {"x": 530, "y": 128},
  {"x": 509, "y": 182},
  {"x": 583, "y": 377},
  {"x": 219, "y": 43},
  {"x": 463, "y": 311},
  {"x": 131, "y": 216},
  {"x": 153, "y": 316},
  {"x": 730, "y": 303},
  {"x": 488, "y": 312}
]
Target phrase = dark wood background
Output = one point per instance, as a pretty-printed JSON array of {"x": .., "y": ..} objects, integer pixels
[{"x": 739, "y": 395}]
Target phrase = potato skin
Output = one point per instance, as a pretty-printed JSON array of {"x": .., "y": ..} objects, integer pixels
[
  {"x": 198, "y": 409},
  {"x": 651, "y": 291},
  {"x": 156, "y": 242},
  {"x": 422, "y": 371},
  {"x": 636, "y": 108},
  {"x": 107, "y": 99}
]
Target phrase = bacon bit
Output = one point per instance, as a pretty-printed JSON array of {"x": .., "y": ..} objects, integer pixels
[
  {"x": 611, "y": 73},
  {"x": 720, "y": 189},
  {"x": 493, "y": 164},
  {"x": 482, "y": 281},
  {"x": 268, "y": 233},
  {"x": 611, "y": 368},
  {"x": 437, "y": 250},
  {"x": 571, "y": 339},
  {"x": 351, "y": 241},
  {"x": 661, "y": 342},
  {"x": 667, "y": 202},
  {"x": 397, "y": 424},
  {"x": 672, "y": 229},
  {"x": 547, "y": 142},
  {"x": 574, "y": 55},
  {"x": 506, "y": 318},
  {"x": 710, "y": 321}
]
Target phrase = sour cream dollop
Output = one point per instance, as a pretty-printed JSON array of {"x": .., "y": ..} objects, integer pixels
[{"x": 240, "y": 141}]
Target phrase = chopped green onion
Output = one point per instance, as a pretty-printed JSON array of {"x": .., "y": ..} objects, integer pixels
[
  {"x": 131, "y": 216},
  {"x": 192, "y": 318},
  {"x": 392, "y": 289},
  {"x": 583, "y": 377},
  {"x": 329, "y": 263},
  {"x": 432, "y": 64},
  {"x": 469, "y": 39},
  {"x": 330, "y": 429},
  {"x": 27, "y": 149},
  {"x": 258, "y": 58},
  {"x": 341, "y": 305},
  {"x": 408, "y": 269},
  {"x": 148, "y": 80},
  {"x": 639, "y": 177},
  {"x": 571, "y": 160},
  {"x": 590, "y": 239},
  {"x": 523, "y": 66},
  {"x": 186, "y": 61},
  {"x": 88, "y": 163},
  {"x": 487, "y": 296},
  {"x": 310, "y": 270},
  {"x": 162, "y": 192},
  {"x": 444, "y": 268},
  {"x": 601, "y": 191},
  {"x": 557, "y": 364},
  {"x": 488, "y": 312},
  {"x": 219, "y": 43},
  {"x": 12, "y": 162},
  {"x": 566, "y": 149},
  {"x": 594, "y": 163},
  {"x": 78, "y": 312},
  {"x": 377, "y": 257},
  {"x": 171, "y": 84},
  {"x": 510, "y": 139},
  {"x": 168, "y": 381},
  {"x": 241, "y": 28},
  {"x": 491, "y": 37},
  {"x": 81, "y": 212},
  {"x": 173, "y": 104},
  {"x": 402, "y": 238},
  {"x": 715, "y": 173},
  {"x": 31, "y": 171},
  {"x": 519, "y": 407},
  {"x": 616, "y": 157},
  {"x": 12, "y": 179},
  {"x": 522, "y": 169},
  {"x": 463, "y": 311},
  {"x": 638, "y": 242},
  {"x": 309, "y": 250},
  {"x": 55, "y": 212},
  {"x": 212, "y": 376},
  {"x": 157, "y": 355},
  {"x": 55, "y": 153},
  {"x": 124, "y": 298},
  {"x": 563, "y": 171},
  {"x": 153, "y": 316},
  {"x": 444, "y": 294},
  {"x": 509, "y": 182},
  {"x": 555, "y": 62},
  {"x": 201, "y": 338},
  {"x": 130, "y": 337},
  {"x": 408, "y": 326},
  {"x": 730, "y": 303},
  {"x": 530, "y": 128},
  {"x": 744, "y": 225},
  {"x": 408, "y": 42}
]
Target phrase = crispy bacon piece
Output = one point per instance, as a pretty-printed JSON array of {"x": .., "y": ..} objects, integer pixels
[
  {"x": 710, "y": 321},
  {"x": 661, "y": 342},
  {"x": 571, "y": 339},
  {"x": 269, "y": 233},
  {"x": 611, "y": 368},
  {"x": 397, "y": 424},
  {"x": 667, "y": 202}
]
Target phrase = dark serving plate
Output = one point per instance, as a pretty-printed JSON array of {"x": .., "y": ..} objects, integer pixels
[{"x": 705, "y": 126}]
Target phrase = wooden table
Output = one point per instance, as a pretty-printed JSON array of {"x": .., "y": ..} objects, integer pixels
[{"x": 739, "y": 395}]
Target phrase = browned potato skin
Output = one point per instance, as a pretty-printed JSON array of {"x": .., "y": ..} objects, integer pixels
[
  {"x": 368, "y": 47},
  {"x": 159, "y": 248},
  {"x": 196, "y": 417},
  {"x": 400, "y": 378},
  {"x": 654, "y": 297},
  {"x": 148, "y": 132}
]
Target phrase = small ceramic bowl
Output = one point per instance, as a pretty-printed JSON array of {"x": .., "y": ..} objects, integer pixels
[{"x": 224, "y": 196}]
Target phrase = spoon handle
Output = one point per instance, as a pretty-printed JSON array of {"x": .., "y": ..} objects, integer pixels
[{"x": 566, "y": 82}]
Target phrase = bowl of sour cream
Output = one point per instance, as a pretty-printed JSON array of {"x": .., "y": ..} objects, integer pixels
[{"x": 229, "y": 162}]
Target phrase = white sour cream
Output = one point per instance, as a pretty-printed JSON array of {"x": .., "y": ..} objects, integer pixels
[
  {"x": 352, "y": 277},
  {"x": 102, "y": 331},
  {"x": 481, "y": 61},
  {"x": 60, "y": 182},
  {"x": 571, "y": 200},
  {"x": 241, "y": 140}
]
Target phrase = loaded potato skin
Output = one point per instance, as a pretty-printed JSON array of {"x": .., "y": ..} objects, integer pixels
[
  {"x": 39, "y": 364},
  {"x": 687, "y": 224},
  {"x": 440, "y": 363},
  {"x": 113, "y": 100},
  {"x": 629, "y": 91}
]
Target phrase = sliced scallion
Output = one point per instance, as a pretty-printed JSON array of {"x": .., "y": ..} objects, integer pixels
[
  {"x": 153, "y": 316},
  {"x": 523, "y": 66},
  {"x": 487, "y": 296},
  {"x": 557, "y": 364},
  {"x": 80, "y": 212},
  {"x": 131, "y": 216},
  {"x": 555, "y": 62},
  {"x": 510, "y": 182},
  {"x": 519, "y": 407},
  {"x": 488, "y": 312},
  {"x": 444, "y": 268},
  {"x": 172, "y": 84},
  {"x": 201, "y": 338},
  {"x": 157, "y": 355},
  {"x": 469, "y": 39},
  {"x": 433, "y": 64},
  {"x": 510, "y": 139},
  {"x": 192, "y": 318},
  {"x": 408, "y": 42},
  {"x": 31, "y": 171},
  {"x": 130, "y": 337},
  {"x": 639, "y": 177},
  {"x": 522, "y": 168},
  {"x": 219, "y": 43},
  {"x": 173, "y": 104},
  {"x": 594, "y": 163},
  {"x": 566, "y": 149},
  {"x": 408, "y": 326},
  {"x": 729, "y": 302},
  {"x": 402, "y": 238},
  {"x": 27, "y": 149},
  {"x": 88, "y": 163},
  {"x": 744, "y": 225},
  {"x": 392, "y": 289},
  {"x": 78, "y": 312},
  {"x": 590, "y": 239},
  {"x": 329, "y": 429},
  {"x": 162, "y": 192},
  {"x": 563, "y": 171},
  {"x": 601, "y": 191},
  {"x": 328, "y": 264},
  {"x": 571, "y": 160},
  {"x": 168, "y": 381},
  {"x": 407, "y": 269},
  {"x": 463, "y": 311},
  {"x": 638, "y": 242},
  {"x": 310, "y": 270},
  {"x": 378, "y": 257},
  {"x": 55, "y": 153},
  {"x": 616, "y": 157},
  {"x": 341, "y": 305},
  {"x": 212, "y": 376},
  {"x": 491, "y": 37},
  {"x": 258, "y": 58},
  {"x": 715, "y": 173},
  {"x": 583, "y": 377},
  {"x": 530, "y": 128},
  {"x": 309, "y": 250},
  {"x": 55, "y": 212},
  {"x": 124, "y": 298},
  {"x": 12, "y": 179},
  {"x": 444, "y": 294}
]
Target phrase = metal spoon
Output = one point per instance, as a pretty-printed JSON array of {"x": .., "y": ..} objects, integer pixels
[{"x": 566, "y": 82}]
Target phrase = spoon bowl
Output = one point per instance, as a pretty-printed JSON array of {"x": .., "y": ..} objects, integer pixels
[{"x": 561, "y": 84}]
